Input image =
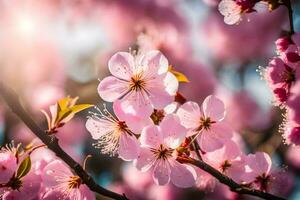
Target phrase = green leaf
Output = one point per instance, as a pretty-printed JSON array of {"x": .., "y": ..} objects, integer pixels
[{"x": 24, "y": 167}]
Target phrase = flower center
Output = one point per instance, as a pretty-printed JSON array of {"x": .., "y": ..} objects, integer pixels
[
  {"x": 157, "y": 116},
  {"x": 122, "y": 125},
  {"x": 137, "y": 83},
  {"x": 162, "y": 152},
  {"x": 263, "y": 181},
  {"x": 205, "y": 123},
  {"x": 74, "y": 182}
]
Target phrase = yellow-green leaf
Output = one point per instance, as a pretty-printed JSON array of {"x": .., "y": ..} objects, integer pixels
[
  {"x": 71, "y": 111},
  {"x": 77, "y": 108},
  {"x": 180, "y": 76},
  {"x": 67, "y": 102},
  {"x": 24, "y": 167}
]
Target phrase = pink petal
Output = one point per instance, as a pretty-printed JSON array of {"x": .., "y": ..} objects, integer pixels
[
  {"x": 120, "y": 65},
  {"x": 86, "y": 193},
  {"x": 151, "y": 136},
  {"x": 145, "y": 159},
  {"x": 139, "y": 104},
  {"x": 274, "y": 72},
  {"x": 228, "y": 152},
  {"x": 159, "y": 97},
  {"x": 238, "y": 172},
  {"x": 154, "y": 62},
  {"x": 99, "y": 127},
  {"x": 129, "y": 147},
  {"x": 260, "y": 162},
  {"x": 8, "y": 166},
  {"x": 182, "y": 175},
  {"x": 209, "y": 142},
  {"x": 162, "y": 90},
  {"x": 222, "y": 130},
  {"x": 214, "y": 138},
  {"x": 53, "y": 171},
  {"x": 111, "y": 88},
  {"x": 134, "y": 122},
  {"x": 173, "y": 131},
  {"x": 30, "y": 188},
  {"x": 171, "y": 83},
  {"x": 161, "y": 172},
  {"x": 213, "y": 108},
  {"x": 189, "y": 114},
  {"x": 231, "y": 150}
]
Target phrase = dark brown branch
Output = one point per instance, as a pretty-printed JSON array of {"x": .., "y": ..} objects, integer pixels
[
  {"x": 12, "y": 100},
  {"x": 288, "y": 5},
  {"x": 235, "y": 187}
]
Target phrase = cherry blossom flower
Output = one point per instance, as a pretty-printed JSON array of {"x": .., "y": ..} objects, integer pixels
[
  {"x": 260, "y": 164},
  {"x": 113, "y": 133},
  {"x": 206, "y": 123},
  {"x": 8, "y": 164},
  {"x": 291, "y": 130},
  {"x": 228, "y": 160},
  {"x": 280, "y": 78},
  {"x": 26, "y": 188},
  {"x": 141, "y": 82},
  {"x": 61, "y": 183},
  {"x": 158, "y": 154}
]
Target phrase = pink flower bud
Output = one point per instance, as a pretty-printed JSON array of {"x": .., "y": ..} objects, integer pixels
[{"x": 282, "y": 44}]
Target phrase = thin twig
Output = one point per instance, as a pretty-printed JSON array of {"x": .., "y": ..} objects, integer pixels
[
  {"x": 197, "y": 148},
  {"x": 235, "y": 187},
  {"x": 12, "y": 100}
]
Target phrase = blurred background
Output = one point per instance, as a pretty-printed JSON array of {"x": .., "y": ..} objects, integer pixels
[{"x": 53, "y": 48}]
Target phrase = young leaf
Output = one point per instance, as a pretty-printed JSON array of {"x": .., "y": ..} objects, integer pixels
[
  {"x": 24, "y": 167},
  {"x": 180, "y": 76}
]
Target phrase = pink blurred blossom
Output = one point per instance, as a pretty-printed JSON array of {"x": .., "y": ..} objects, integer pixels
[
  {"x": 260, "y": 32},
  {"x": 243, "y": 112}
]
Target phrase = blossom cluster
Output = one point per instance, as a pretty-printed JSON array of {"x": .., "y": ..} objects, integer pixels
[
  {"x": 36, "y": 173},
  {"x": 283, "y": 77},
  {"x": 154, "y": 120},
  {"x": 152, "y": 128}
]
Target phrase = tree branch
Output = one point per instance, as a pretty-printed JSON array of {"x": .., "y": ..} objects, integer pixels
[
  {"x": 288, "y": 5},
  {"x": 12, "y": 100},
  {"x": 235, "y": 187}
]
